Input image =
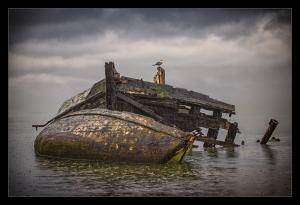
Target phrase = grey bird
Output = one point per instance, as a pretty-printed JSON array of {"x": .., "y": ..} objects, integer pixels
[{"x": 158, "y": 63}]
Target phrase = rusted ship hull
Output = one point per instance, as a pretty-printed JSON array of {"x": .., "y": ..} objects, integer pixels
[{"x": 106, "y": 135}]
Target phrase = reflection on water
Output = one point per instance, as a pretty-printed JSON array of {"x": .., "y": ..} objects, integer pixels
[
  {"x": 99, "y": 178},
  {"x": 212, "y": 151},
  {"x": 231, "y": 153},
  {"x": 269, "y": 153},
  {"x": 249, "y": 170},
  {"x": 120, "y": 170}
]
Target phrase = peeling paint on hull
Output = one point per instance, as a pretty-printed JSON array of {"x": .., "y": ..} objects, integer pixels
[{"x": 106, "y": 135}]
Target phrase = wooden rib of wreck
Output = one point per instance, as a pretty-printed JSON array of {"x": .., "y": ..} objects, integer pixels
[{"x": 171, "y": 108}]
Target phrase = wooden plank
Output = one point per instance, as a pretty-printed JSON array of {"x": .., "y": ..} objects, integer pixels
[
  {"x": 216, "y": 142},
  {"x": 143, "y": 99},
  {"x": 185, "y": 121},
  {"x": 159, "y": 103},
  {"x": 184, "y": 101},
  {"x": 184, "y": 95},
  {"x": 139, "y": 106},
  {"x": 207, "y": 105},
  {"x": 189, "y": 122}
]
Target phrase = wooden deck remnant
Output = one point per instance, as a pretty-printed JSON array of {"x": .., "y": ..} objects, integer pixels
[
  {"x": 139, "y": 106},
  {"x": 175, "y": 107}
]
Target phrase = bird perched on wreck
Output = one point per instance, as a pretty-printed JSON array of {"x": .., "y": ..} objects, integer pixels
[{"x": 158, "y": 63}]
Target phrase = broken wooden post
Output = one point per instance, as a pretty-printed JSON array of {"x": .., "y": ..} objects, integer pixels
[
  {"x": 233, "y": 129},
  {"x": 110, "y": 75},
  {"x": 272, "y": 125},
  {"x": 213, "y": 133},
  {"x": 195, "y": 110},
  {"x": 159, "y": 77}
]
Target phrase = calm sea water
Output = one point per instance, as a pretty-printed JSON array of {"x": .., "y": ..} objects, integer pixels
[{"x": 249, "y": 170}]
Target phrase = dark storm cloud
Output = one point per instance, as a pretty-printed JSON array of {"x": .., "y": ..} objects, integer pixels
[{"x": 62, "y": 24}]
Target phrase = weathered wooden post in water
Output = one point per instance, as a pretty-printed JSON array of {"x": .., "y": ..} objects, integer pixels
[
  {"x": 233, "y": 129},
  {"x": 272, "y": 125},
  {"x": 213, "y": 133}
]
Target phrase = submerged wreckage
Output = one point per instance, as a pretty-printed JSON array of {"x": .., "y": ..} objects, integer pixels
[{"x": 126, "y": 119}]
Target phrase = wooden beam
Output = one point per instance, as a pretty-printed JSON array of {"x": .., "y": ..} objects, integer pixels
[
  {"x": 162, "y": 103},
  {"x": 187, "y": 95},
  {"x": 207, "y": 104},
  {"x": 110, "y": 74},
  {"x": 192, "y": 120},
  {"x": 166, "y": 109},
  {"x": 139, "y": 106},
  {"x": 213, "y": 133},
  {"x": 185, "y": 121}
]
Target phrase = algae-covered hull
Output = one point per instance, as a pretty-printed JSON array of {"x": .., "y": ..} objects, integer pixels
[{"x": 106, "y": 135}]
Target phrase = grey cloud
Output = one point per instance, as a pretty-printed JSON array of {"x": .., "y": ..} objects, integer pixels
[{"x": 240, "y": 56}]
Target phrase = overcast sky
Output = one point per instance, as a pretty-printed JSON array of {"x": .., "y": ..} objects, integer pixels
[{"x": 242, "y": 57}]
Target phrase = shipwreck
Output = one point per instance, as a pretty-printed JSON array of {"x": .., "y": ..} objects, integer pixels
[{"x": 125, "y": 119}]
